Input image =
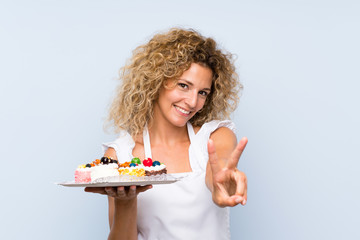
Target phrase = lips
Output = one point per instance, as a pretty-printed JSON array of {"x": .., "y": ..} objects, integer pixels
[{"x": 182, "y": 110}]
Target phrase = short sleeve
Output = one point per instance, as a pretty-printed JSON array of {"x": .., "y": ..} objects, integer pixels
[
  {"x": 123, "y": 146},
  {"x": 199, "y": 152},
  {"x": 208, "y": 128}
]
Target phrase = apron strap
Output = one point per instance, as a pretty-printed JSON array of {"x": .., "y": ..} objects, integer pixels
[
  {"x": 146, "y": 140},
  {"x": 190, "y": 132}
]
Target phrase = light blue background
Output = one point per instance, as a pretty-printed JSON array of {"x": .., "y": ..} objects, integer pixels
[{"x": 298, "y": 60}]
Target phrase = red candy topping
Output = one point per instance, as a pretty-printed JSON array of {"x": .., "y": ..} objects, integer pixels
[{"x": 148, "y": 162}]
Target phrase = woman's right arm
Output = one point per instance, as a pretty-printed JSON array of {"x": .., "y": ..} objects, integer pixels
[
  {"x": 111, "y": 205},
  {"x": 122, "y": 212},
  {"x": 110, "y": 152},
  {"x": 122, "y": 206}
]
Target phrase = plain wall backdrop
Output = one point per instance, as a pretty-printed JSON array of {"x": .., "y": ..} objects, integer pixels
[{"x": 299, "y": 64}]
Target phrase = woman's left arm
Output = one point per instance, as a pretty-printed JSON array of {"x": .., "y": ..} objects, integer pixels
[{"x": 227, "y": 184}]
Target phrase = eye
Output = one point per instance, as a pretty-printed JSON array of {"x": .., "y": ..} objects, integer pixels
[
  {"x": 203, "y": 93},
  {"x": 183, "y": 85}
]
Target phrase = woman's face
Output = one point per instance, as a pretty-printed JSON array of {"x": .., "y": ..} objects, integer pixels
[{"x": 177, "y": 105}]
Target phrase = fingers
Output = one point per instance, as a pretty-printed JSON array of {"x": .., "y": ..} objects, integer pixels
[
  {"x": 235, "y": 156},
  {"x": 100, "y": 190},
  {"x": 241, "y": 187},
  {"x": 132, "y": 192},
  {"x": 231, "y": 201},
  {"x": 245, "y": 198},
  {"x": 143, "y": 188},
  {"x": 215, "y": 168},
  {"x": 232, "y": 191},
  {"x": 121, "y": 192},
  {"x": 238, "y": 200},
  {"x": 241, "y": 182}
]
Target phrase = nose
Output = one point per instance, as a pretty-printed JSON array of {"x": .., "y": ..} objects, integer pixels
[{"x": 192, "y": 99}]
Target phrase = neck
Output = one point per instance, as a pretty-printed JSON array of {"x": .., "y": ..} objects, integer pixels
[{"x": 166, "y": 134}]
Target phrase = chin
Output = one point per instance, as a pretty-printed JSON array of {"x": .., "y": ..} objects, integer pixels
[
  {"x": 179, "y": 122},
  {"x": 180, "y": 125}
]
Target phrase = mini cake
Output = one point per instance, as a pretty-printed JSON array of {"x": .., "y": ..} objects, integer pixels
[
  {"x": 107, "y": 167},
  {"x": 104, "y": 167},
  {"x": 82, "y": 174},
  {"x": 145, "y": 168}
]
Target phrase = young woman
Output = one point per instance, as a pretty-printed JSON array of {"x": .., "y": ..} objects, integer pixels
[{"x": 176, "y": 94}]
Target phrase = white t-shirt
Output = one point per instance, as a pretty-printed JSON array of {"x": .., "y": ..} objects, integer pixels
[{"x": 184, "y": 209}]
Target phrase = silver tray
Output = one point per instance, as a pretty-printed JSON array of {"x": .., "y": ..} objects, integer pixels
[{"x": 124, "y": 181}]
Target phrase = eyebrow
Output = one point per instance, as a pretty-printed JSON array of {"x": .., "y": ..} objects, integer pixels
[{"x": 191, "y": 84}]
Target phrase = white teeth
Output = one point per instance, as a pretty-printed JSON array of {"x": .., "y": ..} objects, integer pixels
[{"x": 182, "y": 110}]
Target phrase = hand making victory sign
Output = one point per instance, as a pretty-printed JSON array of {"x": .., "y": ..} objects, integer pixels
[{"x": 227, "y": 184}]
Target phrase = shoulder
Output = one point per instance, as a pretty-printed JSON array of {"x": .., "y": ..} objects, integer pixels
[
  {"x": 223, "y": 136},
  {"x": 217, "y": 130},
  {"x": 214, "y": 125},
  {"x": 222, "y": 132},
  {"x": 110, "y": 153},
  {"x": 112, "y": 148},
  {"x": 224, "y": 141},
  {"x": 121, "y": 147}
]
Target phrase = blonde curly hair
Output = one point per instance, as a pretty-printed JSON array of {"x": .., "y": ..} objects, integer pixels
[{"x": 167, "y": 56}]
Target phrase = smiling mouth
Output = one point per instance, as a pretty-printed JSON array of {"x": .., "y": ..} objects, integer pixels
[{"x": 182, "y": 110}]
